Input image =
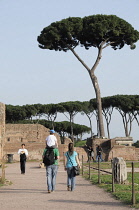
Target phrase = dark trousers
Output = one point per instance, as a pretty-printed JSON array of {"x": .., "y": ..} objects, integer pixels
[{"x": 22, "y": 166}]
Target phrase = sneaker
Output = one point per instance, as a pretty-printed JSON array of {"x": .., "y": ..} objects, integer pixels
[{"x": 49, "y": 191}]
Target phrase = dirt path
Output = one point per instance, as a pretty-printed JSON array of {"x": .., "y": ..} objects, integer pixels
[{"x": 29, "y": 192}]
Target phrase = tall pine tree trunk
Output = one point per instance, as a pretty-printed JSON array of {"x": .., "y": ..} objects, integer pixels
[{"x": 99, "y": 104}]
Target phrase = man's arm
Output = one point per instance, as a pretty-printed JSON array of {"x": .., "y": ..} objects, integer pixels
[
  {"x": 57, "y": 153},
  {"x": 26, "y": 152},
  {"x": 19, "y": 151},
  {"x": 65, "y": 162}
]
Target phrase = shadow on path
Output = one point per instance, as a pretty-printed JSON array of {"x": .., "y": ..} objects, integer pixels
[
  {"x": 89, "y": 202},
  {"x": 22, "y": 191}
]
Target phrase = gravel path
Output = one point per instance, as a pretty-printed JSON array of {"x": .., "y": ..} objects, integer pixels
[{"x": 29, "y": 192}]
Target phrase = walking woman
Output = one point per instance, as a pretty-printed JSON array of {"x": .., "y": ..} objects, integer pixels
[{"x": 70, "y": 160}]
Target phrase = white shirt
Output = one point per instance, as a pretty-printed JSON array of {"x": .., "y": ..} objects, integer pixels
[
  {"x": 20, "y": 151},
  {"x": 51, "y": 140}
]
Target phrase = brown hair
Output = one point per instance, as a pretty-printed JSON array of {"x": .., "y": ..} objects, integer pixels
[{"x": 70, "y": 148}]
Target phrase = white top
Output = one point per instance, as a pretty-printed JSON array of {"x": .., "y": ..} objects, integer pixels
[
  {"x": 21, "y": 151},
  {"x": 51, "y": 140}
]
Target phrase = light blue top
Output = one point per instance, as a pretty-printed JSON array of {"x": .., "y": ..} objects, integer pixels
[{"x": 73, "y": 159}]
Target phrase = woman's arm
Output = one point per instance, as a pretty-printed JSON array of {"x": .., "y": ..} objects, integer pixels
[{"x": 78, "y": 162}]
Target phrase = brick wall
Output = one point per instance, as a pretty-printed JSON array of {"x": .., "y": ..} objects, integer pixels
[
  {"x": 33, "y": 135},
  {"x": 2, "y": 128},
  {"x": 15, "y": 133},
  {"x": 111, "y": 149},
  {"x": 25, "y": 133},
  {"x": 36, "y": 150},
  {"x": 127, "y": 152}
]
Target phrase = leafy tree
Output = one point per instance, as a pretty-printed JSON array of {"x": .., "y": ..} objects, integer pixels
[
  {"x": 50, "y": 112},
  {"x": 99, "y": 31},
  {"x": 38, "y": 108},
  {"x": 125, "y": 105},
  {"x": 107, "y": 110},
  {"x": 88, "y": 110},
  {"x": 135, "y": 109},
  {"x": 72, "y": 108},
  {"x": 9, "y": 113},
  {"x": 136, "y": 144},
  {"x": 30, "y": 110},
  {"x": 62, "y": 128},
  {"x": 80, "y": 130},
  {"x": 15, "y": 113}
]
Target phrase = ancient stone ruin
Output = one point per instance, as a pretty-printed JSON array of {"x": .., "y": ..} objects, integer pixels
[
  {"x": 119, "y": 170},
  {"x": 33, "y": 135},
  {"x": 2, "y": 129},
  {"x": 116, "y": 147}
]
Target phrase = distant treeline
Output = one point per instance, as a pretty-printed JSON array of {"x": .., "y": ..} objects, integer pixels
[{"x": 46, "y": 114}]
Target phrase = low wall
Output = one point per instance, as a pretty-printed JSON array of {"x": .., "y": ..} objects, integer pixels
[
  {"x": 127, "y": 152},
  {"x": 36, "y": 150},
  {"x": 2, "y": 128},
  {"x": 111, "y": 149},
  {"x": 15, "y": 133}
]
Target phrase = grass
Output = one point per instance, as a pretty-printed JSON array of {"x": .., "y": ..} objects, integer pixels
[
  {"x": 79, "y": 143},
  {"x": 107, "y": 165},
  {"x": 128, "y": 164},
  {"x": 5, "y": 182},
  {"x": 2, "y": 182},
  {"x": 123, "y": 192},
  {"x": 103, "y": 165}
]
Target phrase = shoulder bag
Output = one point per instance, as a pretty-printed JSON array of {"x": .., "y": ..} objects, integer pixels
[{"x": 76, "y": 169}]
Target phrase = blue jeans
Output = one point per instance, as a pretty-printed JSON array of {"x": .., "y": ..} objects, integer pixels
[
  {"x": 99, "y": 157},
  {"x": 51, "y": 172},
  {"x": 71, "y": 178}
]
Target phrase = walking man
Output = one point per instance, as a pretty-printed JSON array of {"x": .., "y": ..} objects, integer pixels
[
  {"x": 99, "y": 153},
  {"x": 50, "y": 159},
  {"x": 23, "y": 156}
]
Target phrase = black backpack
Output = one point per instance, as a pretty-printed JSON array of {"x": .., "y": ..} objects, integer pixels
[
  {"x": 23, "y": 157},
  {"x": 49, "y": 157}
]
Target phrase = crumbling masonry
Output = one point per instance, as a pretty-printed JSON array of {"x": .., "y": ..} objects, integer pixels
[{"x": 2, "y": 128}]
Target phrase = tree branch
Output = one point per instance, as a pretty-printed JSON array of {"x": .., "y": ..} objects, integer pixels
[
  {"x": 77, "y": 56},
  {"x": 107, "y": 45},
  {"x": 98, "y": 57}
]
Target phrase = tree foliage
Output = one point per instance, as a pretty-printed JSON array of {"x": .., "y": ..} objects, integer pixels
[
  {"x": 72, "y": 108},
  {"x": 89, "y": 31},
  {"x": 126, "y": 105},
  {"x": 99, "y": 31}
]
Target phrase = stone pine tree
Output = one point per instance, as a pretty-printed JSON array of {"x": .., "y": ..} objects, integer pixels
[
  {"x": 72, "y": 108},
  {"x": 99, "y": 31}
]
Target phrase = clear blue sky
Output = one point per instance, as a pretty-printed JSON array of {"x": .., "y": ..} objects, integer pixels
[{"x": 30, "y": 75}]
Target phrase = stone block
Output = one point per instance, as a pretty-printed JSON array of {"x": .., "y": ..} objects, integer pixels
[{"x": 120, "y": 170}]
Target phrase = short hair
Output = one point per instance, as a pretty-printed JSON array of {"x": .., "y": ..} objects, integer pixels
[{"x": 22, "y": 144}]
